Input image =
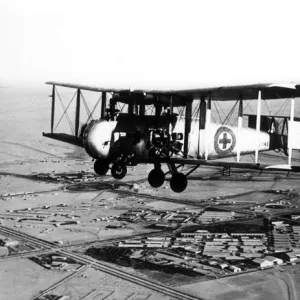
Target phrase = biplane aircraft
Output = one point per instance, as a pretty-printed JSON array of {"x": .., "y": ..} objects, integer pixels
[{"x": 120, "y": 138}]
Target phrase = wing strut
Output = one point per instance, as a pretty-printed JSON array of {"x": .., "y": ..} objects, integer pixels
[
  {"x": 207, "y": 125},
  {"x": 77, "y": 113},
  {"x": 53, "y": 108},
  {"x": 187, "y": 127},
  {"x": 258, "y": 116},
  {"x": 142, "y": 109},
  {"x": 202, "y": 118},
  {"x": 240, "y": 125},
  {"x": 103, "y": 105},
  {"x": 171, "y": 114},
  {"x": 290, "y": 128}
]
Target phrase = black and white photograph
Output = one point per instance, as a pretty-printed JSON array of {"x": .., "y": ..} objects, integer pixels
[{"x": 149, "y": 150}]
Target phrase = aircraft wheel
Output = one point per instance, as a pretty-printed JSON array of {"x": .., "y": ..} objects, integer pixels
[
  {"x": 156, "y": 178},
  {"x": 101, "y": 166},
  {"x": 178, "y": 182},
  {"x": 118, "y": 171}
]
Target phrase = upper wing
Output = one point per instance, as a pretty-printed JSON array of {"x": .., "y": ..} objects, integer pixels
[
  {"x": 92, "y": 88},
  {"x": 229, "y": 92}
]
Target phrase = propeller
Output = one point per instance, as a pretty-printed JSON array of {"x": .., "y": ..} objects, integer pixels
[{"x": 82, "y": 127}]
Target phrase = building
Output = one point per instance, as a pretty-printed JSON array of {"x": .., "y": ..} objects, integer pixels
[
  {"x": 152, "y": 217},
  {"x": 164, "y": 226},
  {"x": 70, "y": 223},
  {"x": 132, "y": 242},
  {"x": 114, "y": 226},
  {"x": 137, "y": 245},
  {"x": 252, "y": 242},
  {"x": 233, "y": 257},
  {"x": 202, "y": 231},
  {"x": 210, "y": 216},
  {"x": 214, "y": 243},
  {"x": 235, "y": 269},
  {"x": 251, "y": 255},
  {"x": 215, "y": 254},
  {"x": 290, "y": 256},
  {"x": 274, "y": 260},
  {"x": 263, "y": 263},
  {"x": 243, "y": 235},
  {"x": 59, "y": 258},
  {"x": 178, "y": 218},
  {"x": 223, "y": 266}
]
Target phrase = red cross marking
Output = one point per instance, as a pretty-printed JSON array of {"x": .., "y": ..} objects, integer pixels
[{"x": 224, "y": 140}]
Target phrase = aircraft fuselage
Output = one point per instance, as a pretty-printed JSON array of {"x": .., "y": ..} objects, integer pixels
[{"x": 132, "y": 134}]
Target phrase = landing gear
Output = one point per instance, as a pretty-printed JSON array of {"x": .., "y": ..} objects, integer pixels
[
  {"x": 101, "y": 166},
  {"x": 178, "y": 182},
  {"x": 118, "y": 171},
  {"x": 156, "y": 178},
  {"x": 226, "y": 171}
]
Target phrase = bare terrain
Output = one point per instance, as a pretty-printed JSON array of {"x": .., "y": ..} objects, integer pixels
[{"x": 54, "y": 209}]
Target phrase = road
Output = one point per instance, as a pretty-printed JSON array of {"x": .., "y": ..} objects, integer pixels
[
  {"x": 88, "y": 261},
  {"x": 55, "y": 285}
]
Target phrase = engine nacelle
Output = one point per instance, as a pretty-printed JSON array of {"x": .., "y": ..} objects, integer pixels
[{"x": 97, "y": 138}]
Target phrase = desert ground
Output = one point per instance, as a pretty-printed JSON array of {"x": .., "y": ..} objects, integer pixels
[{"x": 45, "y": 179}]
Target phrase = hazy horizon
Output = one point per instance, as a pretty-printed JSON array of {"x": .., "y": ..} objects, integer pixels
[{"x": 149, "y": 42}]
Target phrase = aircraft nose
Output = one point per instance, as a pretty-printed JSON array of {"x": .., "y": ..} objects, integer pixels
[{"x": 97, "y": 138}]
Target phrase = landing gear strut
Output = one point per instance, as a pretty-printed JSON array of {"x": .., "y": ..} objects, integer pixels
[
  {"x": 156, "y": 177},
  {"x": 178, "y": 182},
  {"x": 101, "y": 166},
  {"x": 226, "y": 171}
]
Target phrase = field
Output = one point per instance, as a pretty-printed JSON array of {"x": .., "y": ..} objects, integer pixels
[{"x": 251, "y": 286}]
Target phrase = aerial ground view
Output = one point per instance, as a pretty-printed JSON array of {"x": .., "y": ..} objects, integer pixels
[
  {"x": 68, "y": 233},
  {"x": 149, "y": 150}
]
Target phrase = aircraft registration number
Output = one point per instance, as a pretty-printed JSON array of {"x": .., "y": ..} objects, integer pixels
[{"x": 264, "y": 144}]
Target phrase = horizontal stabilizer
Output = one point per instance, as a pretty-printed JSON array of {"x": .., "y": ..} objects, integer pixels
[{"x": 63, "y": 137}]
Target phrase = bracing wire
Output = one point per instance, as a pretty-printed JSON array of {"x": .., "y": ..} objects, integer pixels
[
  {"x": 283, "y": 106},
  {"x": 94, "y": 108},
  {"x": 221, "y": 109},
  {"x": 86, "y": 106},
  {"x": 214, "y": 102},
  {"x": 248, "y": 105},
  {"x": 65, "y": 112},
  {"x": 269, "y": 111},
  {"x": 230, "y": 113}
]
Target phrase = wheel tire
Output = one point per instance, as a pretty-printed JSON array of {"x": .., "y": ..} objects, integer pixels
[
  {"x": 156, "y": 178},
  {"x": 118, "y": 171},
  {"x": 178, "y": 182},
  {"x": 101, "y": 166}
]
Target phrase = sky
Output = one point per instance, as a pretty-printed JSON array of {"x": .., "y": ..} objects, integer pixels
[{"x": 149, "y": 43}]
